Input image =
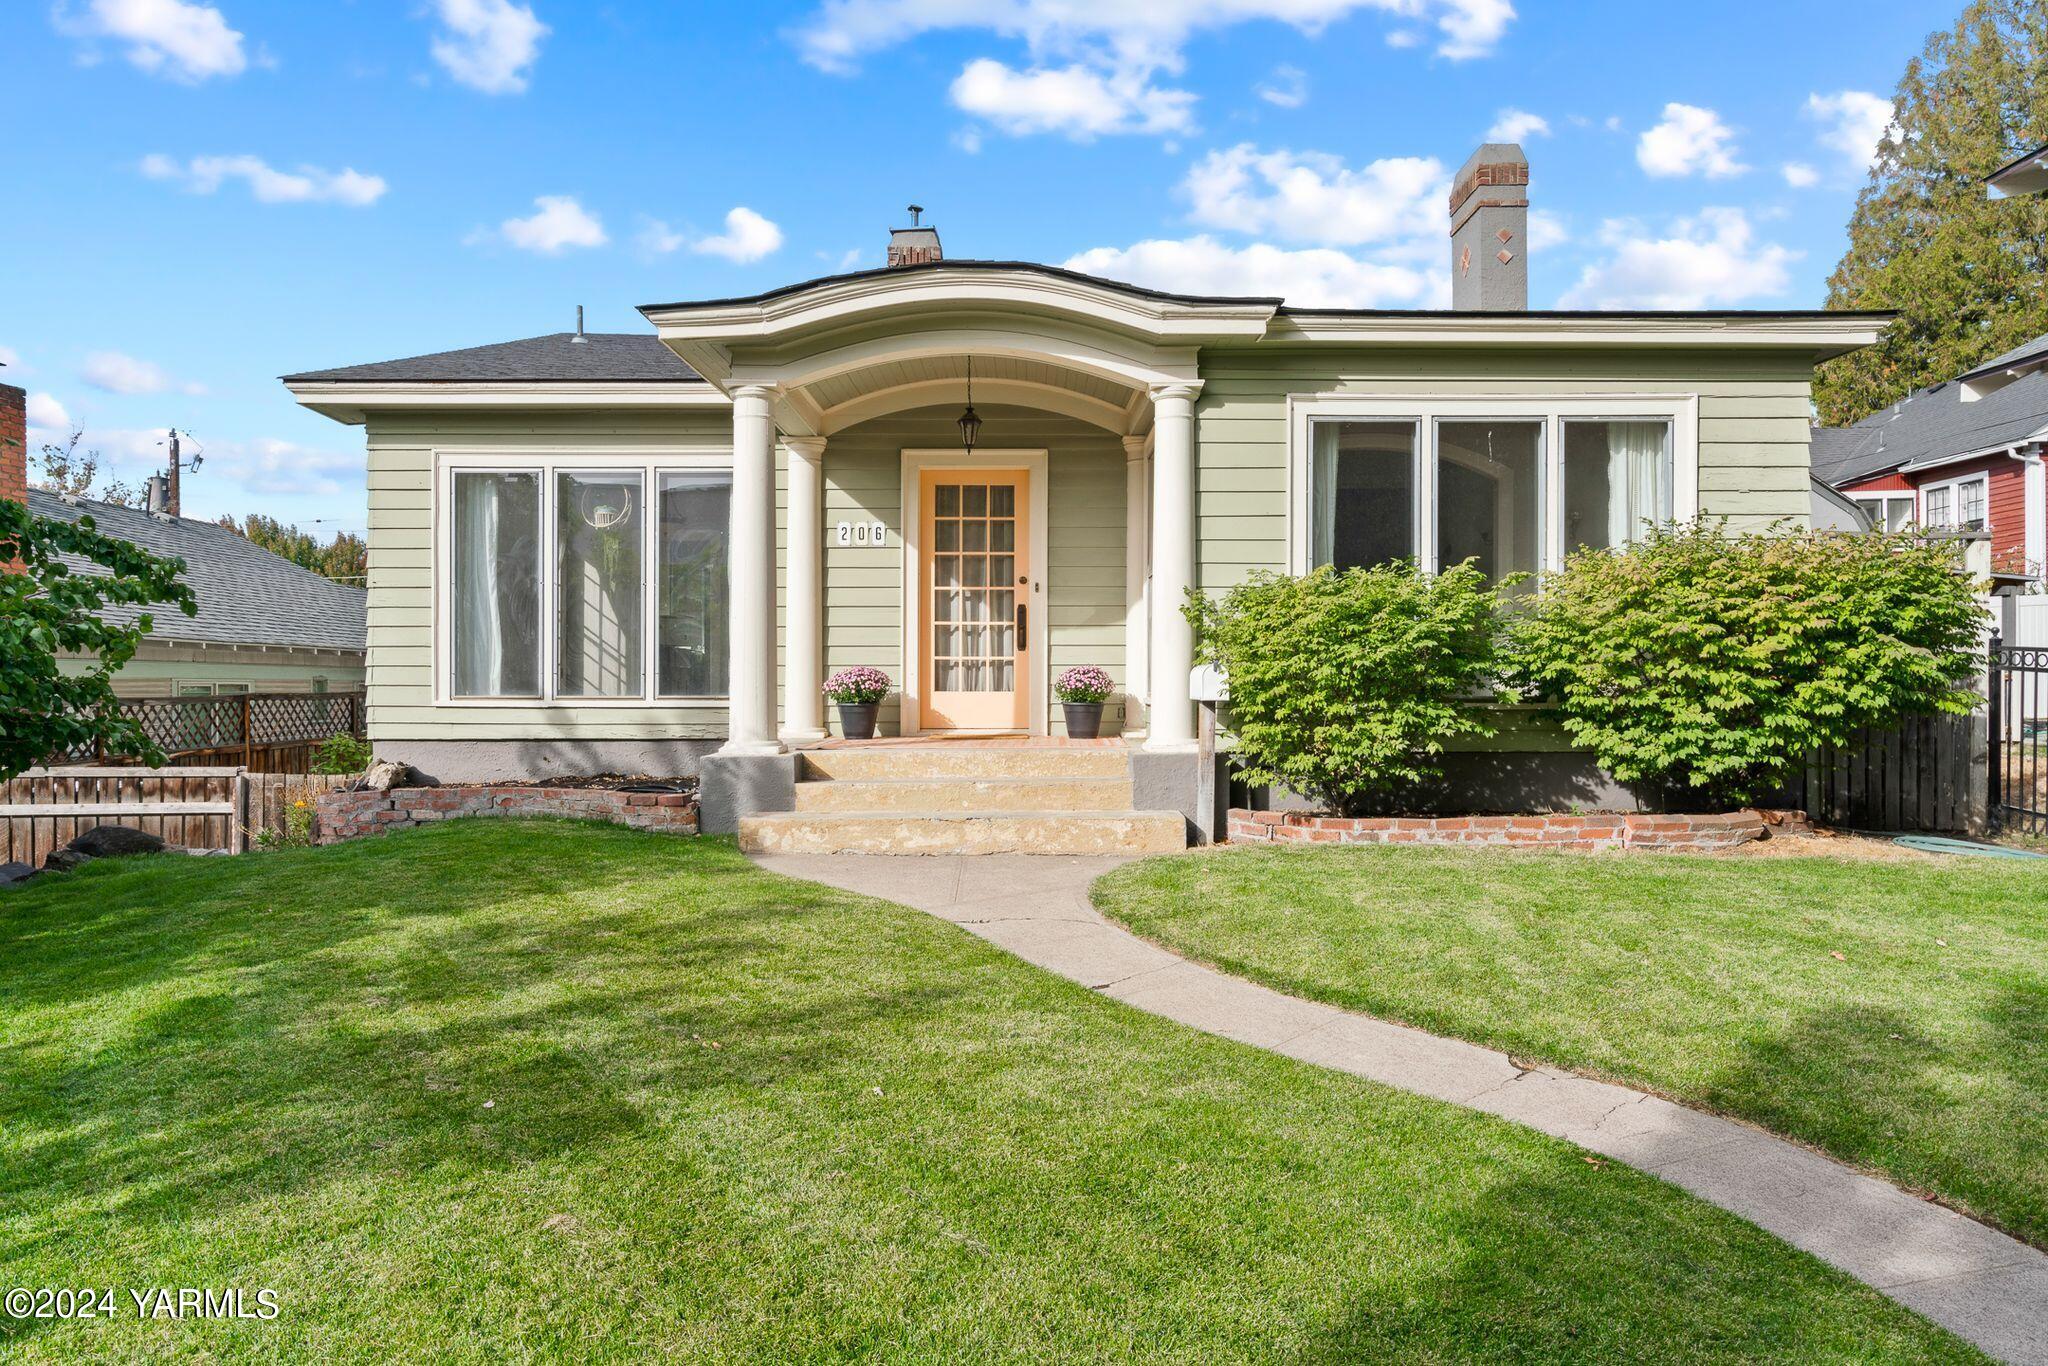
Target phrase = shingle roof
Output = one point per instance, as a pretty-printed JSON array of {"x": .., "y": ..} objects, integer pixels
[
  {"x": 1935, "y": 422},
  {"x": 602, "y": 357},
  {"x": 247, "y": 596}
]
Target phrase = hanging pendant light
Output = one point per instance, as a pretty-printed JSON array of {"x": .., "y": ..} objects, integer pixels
[{"x": 970, "y": 421}]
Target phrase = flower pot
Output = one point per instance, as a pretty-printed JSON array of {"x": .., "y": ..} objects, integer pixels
[
  {"x": 1084, "y": 719},
  {"x": 857, "y": 719}
]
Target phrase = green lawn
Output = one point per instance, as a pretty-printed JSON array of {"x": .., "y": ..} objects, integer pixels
[
  {"x": 509, "y": 1089},
  {"x": 1894, "y": 1014}
]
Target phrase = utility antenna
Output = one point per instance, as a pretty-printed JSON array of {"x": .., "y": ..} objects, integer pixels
[{"x": 172, "y": 470}]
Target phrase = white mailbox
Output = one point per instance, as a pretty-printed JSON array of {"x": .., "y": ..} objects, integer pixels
[{"x": 1208, "y": 683}]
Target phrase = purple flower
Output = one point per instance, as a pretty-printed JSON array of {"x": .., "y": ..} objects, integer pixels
[
  {"x": 857, "y": 686},
  {"x": 1084, "y": 684}
]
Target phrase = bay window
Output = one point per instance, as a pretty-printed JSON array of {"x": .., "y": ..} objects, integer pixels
[
  {"x": 561, "y": 583},
  {"x": 1511, "y": 484}
]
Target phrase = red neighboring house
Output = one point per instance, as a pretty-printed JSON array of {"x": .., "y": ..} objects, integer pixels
[{"x": 1962, "y": 455}]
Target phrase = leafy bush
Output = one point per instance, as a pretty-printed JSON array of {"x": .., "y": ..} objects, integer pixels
[
  {"x": 1083, "y": 683},
  {"x": 341, "y": 754},
  {"x": 1721, "y": 662},
  {"x": 1346, "y": 683}
]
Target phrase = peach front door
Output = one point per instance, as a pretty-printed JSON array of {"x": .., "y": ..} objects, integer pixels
[{"x": 972, "y": 578}]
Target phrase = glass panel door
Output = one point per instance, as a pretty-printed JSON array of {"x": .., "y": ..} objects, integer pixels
[{"x": 973, "y": 587}]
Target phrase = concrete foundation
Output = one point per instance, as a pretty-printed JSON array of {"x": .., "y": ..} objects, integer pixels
[
  {"x": 1167, "y": 782},
  {"x": 502, "y": 761},
  {"x": 730, "y": 786}
]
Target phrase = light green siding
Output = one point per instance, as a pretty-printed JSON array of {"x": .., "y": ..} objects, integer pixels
[
  {"x": 159, "y": 667},
  {"x": 1084, "y": 579},
  {"x": 402, "y": 450},
  {"x": 1753, "y": 464}
]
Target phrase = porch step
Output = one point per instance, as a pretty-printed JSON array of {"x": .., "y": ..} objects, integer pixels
[
  {"x": 965, "y": 832},
  {"x": 964, "y": 761},
  {"x": 960, "y": 795}
]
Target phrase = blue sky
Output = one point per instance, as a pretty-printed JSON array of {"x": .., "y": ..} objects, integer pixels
[{"x": 205, "y": 194}]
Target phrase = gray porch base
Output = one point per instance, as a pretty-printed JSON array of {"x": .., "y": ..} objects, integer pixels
[
  {"x": 730, "y": 786},
  {"x": 500, "y": 761}
]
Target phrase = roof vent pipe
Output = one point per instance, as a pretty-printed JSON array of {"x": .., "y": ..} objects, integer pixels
[
  {"x": 1490, "y": 231},
  {"x": 157, "y": 494},
  {"x": 579, "y": 339}
]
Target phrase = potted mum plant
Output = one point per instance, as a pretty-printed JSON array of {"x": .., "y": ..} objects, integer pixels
[
  {"x": 859, "y": 692},
  {"x": 1082, "y": 691}
]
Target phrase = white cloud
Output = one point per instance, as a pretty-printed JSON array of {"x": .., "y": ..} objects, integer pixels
[
  {"x": 557, "y": 223},
  {"x": 1076, "y": 100},
  {"x": 1286, "y": 87},
  {"x": 1799, "y": 175},
  {"x": 115, "y": 373},
  {"x": 968, "y": 140},
  {"x": 849, "y": 260},
  {"x": 170, "y": 38},
  {"x": 1712, "y": 260},
  {"x": 48, "y": 418},
  {"x": 1315, "y": 197},
  {"x": 283, "y": 468},
  {"x": 267, "y": 184},
  {"x": 1853, "y": 122},
  {"x": 1547, "y": 229},
  {"x": 1512, "y": 125},
  {"x": 1690, "y": 141},
  {"x": 657, "y": 238},
  {"x": 11, "y": 358},
  {"x": 747, "y": 237},
  {"x": 488, "y": 45},
  {"x": 1314, "y": 277}
]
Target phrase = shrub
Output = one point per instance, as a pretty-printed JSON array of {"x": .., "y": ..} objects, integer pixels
[
  {"x": 1347, "y": 683},
  {"x": 341, "y": 754},
  {"x": 1085, "y": 683},
  {"x": 857, "y": 686},
  {"x": 1721, "y": 663}
]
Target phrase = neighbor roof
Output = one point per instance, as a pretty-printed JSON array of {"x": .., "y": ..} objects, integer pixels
[
  {"x": 246, "y": 595},
  {"x": 1935, "y": 422},
  {"x": 601, "y": 357},
  {"x": 2025, "y": 174}
]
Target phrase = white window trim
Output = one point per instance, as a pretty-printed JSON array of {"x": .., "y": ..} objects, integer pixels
[
  {"x": 1955, "y": 499},
  {"x": 1680, "y": 410},
  {"x": 1881, "y": 500},
  {"x": 545, "y": 462}
]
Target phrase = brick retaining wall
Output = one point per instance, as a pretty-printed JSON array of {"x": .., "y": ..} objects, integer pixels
[
  {"x": 341, "y": 816},
  {"x": 1615, "y": 830}
]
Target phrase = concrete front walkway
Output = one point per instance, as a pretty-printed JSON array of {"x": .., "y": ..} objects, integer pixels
[{"x": 1979, "y": 1284}]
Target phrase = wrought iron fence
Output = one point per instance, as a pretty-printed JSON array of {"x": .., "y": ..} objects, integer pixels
[
  {"x": 263, "y": 732},
  {"x": 2018, "y": 689}
]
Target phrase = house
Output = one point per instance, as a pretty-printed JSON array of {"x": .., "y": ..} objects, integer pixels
[
  {"x": 644, "y": 552},
  {"x": 265, "y": 625},
  {"x": 1964, "y": 455},
  {"x": 2025, "y": 174}
]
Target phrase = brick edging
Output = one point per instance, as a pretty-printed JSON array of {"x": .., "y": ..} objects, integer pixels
[
  {"x": 1600, "y": 830},
  {"x": 339, "y": 816}
]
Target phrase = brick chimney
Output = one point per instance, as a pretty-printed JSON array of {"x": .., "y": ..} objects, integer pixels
[
  {"x": 915, "y": 245},
  {"x": 1490, "y": 231},
  {"x": 13, "y": 443}
]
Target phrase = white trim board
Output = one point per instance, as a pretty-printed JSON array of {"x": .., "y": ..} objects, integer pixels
[
  {"x": 1681, "y": 410},
  {"x": 914, "y": 463}
]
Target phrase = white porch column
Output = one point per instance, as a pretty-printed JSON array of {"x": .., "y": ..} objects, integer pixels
[
  {"x": 1137, "y": 580},
  {"x": 1173, "y": 565},
  {"x": 751, "y": 712},
  {"x": 803, "y": 675}
]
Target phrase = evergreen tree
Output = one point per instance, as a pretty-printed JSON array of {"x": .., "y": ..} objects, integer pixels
[
  {"x": 1964, "y": 271},
  {"x": 345, "y": 559}
]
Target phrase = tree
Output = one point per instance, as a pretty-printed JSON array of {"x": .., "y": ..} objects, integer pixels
[
  {"x": 345, "y": 559},
  {"x": 1964, "y": 271},
  {"x": 46, "y": 608},
  {"x": 67, "y": 470}
]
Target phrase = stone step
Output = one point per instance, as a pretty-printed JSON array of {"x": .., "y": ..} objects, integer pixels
[
  {"x": 963, "y": 761},
  {"x": 967, "y": 832},
  {"x": 957, "y": 795}
]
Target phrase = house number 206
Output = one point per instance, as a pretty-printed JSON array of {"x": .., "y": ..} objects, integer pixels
[{"x": 860, "y": 533}]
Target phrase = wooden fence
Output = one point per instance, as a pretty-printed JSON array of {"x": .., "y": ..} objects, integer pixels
[
  {"x": 260, "y": 732},
  {"x": 189, "y": 807},
  {"x": 1929, "y": 774}
]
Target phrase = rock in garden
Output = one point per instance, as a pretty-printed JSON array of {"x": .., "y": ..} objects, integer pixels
[
  {"x": 384, "y": 775},
  {"x": 11, "y": 873},
  {"x": 64, "y": 860},
  {"x": 112, "y": 841}
]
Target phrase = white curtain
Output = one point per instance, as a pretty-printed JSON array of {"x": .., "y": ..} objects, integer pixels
[
  {"x": 480, "y": 635},
  {"x": 1322, "y": 492},
  {"x": 1638, "y": 479}
]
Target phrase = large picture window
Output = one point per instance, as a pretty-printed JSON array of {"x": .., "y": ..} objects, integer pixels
[
  {"x": 563, "y": 582},
  {"x": 1512, "y": 485}
]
